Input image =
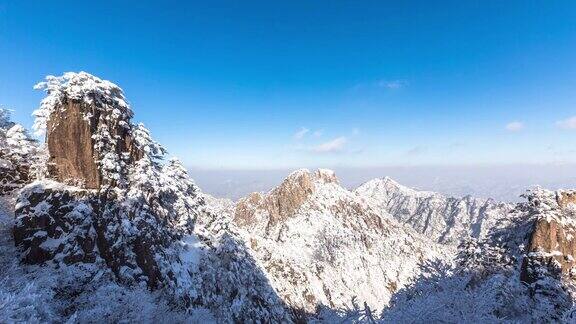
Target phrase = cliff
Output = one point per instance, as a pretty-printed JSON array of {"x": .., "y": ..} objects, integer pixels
[{"x": 551, "y": 244}]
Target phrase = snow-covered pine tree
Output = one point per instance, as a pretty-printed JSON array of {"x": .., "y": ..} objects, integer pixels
[{"x": 18, "y": 154}]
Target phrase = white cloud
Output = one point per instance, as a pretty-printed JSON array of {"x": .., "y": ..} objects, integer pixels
[
  {"x": 382, "y": 84},
  {"x": 301, "y": 133},
  {"x": 391, "y": 84},
  {"x": 355, "y": 131},
  {"x": 318, "y": 133},
  {"x": 569, "y": 123},
  {"x": 514, "y": 126},
  {"x": 334, "y": 145}
]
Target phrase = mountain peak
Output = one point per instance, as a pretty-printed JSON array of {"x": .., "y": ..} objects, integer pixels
[
  {"x": 390, "y": 185},
  {"x": 326, "y": 176},
  {"x": 431, "y": 213},
  {"x": 320, "y": 174},
  {"x": 283, "y": 201}
]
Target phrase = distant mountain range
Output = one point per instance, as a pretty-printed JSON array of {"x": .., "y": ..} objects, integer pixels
[{"x": 502, "y": 183}]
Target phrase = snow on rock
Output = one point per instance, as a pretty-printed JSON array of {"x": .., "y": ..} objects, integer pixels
[
  {"x": 551, "y": 246},
  {"x": 444, "y": 219},
  {"x": 113, "y": 205},
  {"x": 322, "y": 246},
  {"x": 88, "y": 131},
  {"x": 497, "y": 278},
  {"x": 81, "y": 87}
]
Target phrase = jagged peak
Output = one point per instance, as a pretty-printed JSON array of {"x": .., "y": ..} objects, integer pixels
[
  {"x": 302, "y": 172},
  {"x": 83, "y": 87},
  {"x": 283, "y": 201},
  {"x": 326, "y": 176},
  {"x": 320, "y": 175}
]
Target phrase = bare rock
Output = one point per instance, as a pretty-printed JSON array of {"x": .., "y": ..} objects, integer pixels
[
  {"x": 282, "y": 202},
  {"x": 71, "y": 147},
  {"x": 551, "y": 244},
  {"x": 71, "y": 144}
]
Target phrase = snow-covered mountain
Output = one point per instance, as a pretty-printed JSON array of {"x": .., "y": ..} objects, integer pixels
[
  {"x": 96, "y": 224},
  {"x": 321, "y": 244},
  {"x": 107, "y": 215},
  {"x": 444, "y": 219},
  {"x": 521, "y": 272}
]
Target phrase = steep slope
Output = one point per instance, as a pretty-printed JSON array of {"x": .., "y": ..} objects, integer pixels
[
  {"x": 111, "y": 191},
  {"x": 551, "y": 245},
  {"x": 443, "y": 219},
  {"x": 519, "y": 272},
  {"x": 322, "y": 246},
  {"x": 106, "y": 211}
]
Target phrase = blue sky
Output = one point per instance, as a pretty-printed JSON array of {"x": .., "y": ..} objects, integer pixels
[{"x": 287, "y": 84}]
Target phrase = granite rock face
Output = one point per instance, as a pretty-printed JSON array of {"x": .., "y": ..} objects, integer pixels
[
  {"x": 551, "y": 244},
  {"x": 106, "y": 197},
  {"x": 278, "y": 205},
  {"x": 72, "y": 146}
]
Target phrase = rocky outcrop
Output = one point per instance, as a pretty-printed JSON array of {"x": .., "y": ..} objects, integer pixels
[
  {"x": 551, "y": 247},
  {"x": 280, "y": 204},
  {"x": 550, "y": 251},
  {"x": 77, "y": 133},
  {"x": 283, "y": 201},
  {"x": 112, "y": 201}
]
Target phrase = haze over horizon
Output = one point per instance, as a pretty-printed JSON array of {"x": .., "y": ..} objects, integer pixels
[
  {"x": 502, "y": 183},
  {"x": 263, "y": 85}
]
